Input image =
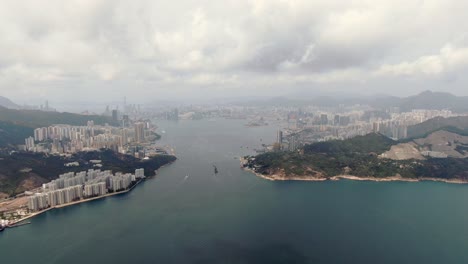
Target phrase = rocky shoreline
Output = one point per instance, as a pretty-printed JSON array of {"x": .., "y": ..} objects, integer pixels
[{"x": 283, "y": 177}]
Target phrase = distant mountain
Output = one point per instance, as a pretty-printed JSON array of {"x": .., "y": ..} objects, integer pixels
[
  {"x": 434, "y": 100},
  {"x": 458, "y": 124},
  {"x": 7, "y": 103},
  {"x": 424, "y": 100},
  {"x": 35, "y": 118}
]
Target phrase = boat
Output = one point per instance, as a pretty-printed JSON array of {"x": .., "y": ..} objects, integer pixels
[
  {"x": 215, "y": 169},
  {"x": 2, "y": 228}
]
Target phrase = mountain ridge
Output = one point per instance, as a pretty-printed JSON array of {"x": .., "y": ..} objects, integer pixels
[
  {"x": 37, "y": 118},
  {"x": 424, "y": 100},
  {"x": 7, "y": 103}
]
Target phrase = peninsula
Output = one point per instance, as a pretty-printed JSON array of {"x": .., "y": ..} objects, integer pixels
[
  {"x": 37, "y": 182},
  {"x": 440, "y": 156}
]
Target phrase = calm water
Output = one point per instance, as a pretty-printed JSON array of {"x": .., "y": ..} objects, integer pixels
[{"x": 235, "y": 217}]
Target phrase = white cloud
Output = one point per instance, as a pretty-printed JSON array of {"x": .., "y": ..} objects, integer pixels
[
  {"x": 448, "y": 60},
  {"x": 272, "y": 45}
]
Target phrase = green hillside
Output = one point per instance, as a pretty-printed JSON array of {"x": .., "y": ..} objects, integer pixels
[
  {"x": 11, "y": 134},
  {"x": 23, "y": 171},
  {"x": 370, "y": 143},
  {"x": 357, "y": 156},
  {"x": 35, "y": 118},
  {"x": 458, "y": 124}
]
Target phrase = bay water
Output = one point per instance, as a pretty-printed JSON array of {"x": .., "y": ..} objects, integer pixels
[{"x": 189, "y": 214}]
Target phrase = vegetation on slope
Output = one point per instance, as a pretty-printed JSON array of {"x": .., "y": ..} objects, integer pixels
[
  {"x": 11, "y": 134},
  {"x": 16, "y": 125},
  {"x": 35, "y": 118},
  {"x": 458, "y": 124},
  {"x": 22, "y": 171},
  {"x": 370, "y": 143},
  {"x": 358, "y": 157}
]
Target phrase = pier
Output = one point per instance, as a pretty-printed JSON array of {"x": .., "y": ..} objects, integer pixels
[{"x": 18, "y": 224}]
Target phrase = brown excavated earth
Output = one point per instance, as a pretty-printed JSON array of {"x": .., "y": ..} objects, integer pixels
[
  {"x": 403, "y": 151},
  {"x": 444, "y": 141},
  {"x": 33, "y": 181}
]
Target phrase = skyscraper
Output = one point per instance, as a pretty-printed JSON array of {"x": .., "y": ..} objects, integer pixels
[
  {"x": 114, "y": 115},
  {"x": 323, "y": 119},
  {"x": 123, "y": 137},
  {"x": 125, "y": 121},
  {"x": 139, "y": 132},
  {"x": 336, "y": 121},
  {"x": 279, "y": 137}
]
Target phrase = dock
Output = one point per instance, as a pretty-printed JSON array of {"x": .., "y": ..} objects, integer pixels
[{"x": 19, "y": 224}]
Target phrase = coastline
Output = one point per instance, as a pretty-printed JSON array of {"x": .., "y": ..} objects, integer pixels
[
  {"x": 277, "y": 177},
  {"x": 89, "y": 199},
  {"x": 75, "y": 202}
]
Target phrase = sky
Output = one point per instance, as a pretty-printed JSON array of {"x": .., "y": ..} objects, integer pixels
[{"x": 150, "y": 50}]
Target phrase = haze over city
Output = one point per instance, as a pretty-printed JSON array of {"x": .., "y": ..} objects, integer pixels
[
  {"x": 237, "y": 131},
  {"x": 99, "y": 51}
]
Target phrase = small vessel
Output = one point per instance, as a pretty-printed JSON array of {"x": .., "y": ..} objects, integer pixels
[
  {"x": 2, "y": 228},
  {"x": 215, "y": 169}
]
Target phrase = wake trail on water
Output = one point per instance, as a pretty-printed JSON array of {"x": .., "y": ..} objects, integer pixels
[{"x": 185, "y": 179}]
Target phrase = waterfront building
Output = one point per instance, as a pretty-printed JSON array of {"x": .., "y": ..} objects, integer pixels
[
  {"x": 140, "y": 173},
  {"x": 70, "y": 187},
  {"x": 279, "y": 137},
  {"x": 33, "y": 203},
  {"x": 52, "y": 198},
  {"x": 37, "y": 202}
]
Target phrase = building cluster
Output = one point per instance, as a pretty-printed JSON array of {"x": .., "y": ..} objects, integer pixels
[
  {"x": 70, "y": 139},
  {"x": 70, "y": 187},
  {"x": 397, "y": 126},
  {"x": 305, "y": 128}
]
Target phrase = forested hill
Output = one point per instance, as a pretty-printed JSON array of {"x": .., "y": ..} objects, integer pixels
[
  {"x": 370, "y": 143},
  {"x": 358, "y": 157},
  {"x": 11, "y": 134},
  {"x": 24, "y": 171},
  {"x": 35, "y": 118},
  {"x": 458, "y": 124}
]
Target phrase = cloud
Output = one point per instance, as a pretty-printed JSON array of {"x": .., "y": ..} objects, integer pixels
[
  {"x": 230, "y": 47},
  {"x": 448, "y": 60}
]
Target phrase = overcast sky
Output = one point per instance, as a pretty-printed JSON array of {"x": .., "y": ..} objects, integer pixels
[{"x": 102, "y": 50}]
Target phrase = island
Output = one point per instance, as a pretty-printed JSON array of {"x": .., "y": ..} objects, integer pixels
[{"x": 441, "y": 155}]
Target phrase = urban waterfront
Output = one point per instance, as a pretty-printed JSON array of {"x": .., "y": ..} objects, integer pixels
[{"x": 189, "y": 214}]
